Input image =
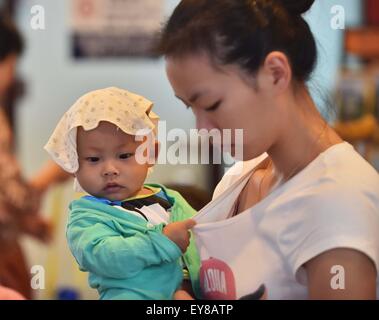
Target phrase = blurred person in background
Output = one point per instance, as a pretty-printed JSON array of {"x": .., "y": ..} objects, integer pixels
[{"x": 19, "y": 199}]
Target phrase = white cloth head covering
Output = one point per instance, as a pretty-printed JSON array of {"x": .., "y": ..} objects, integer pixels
[{"x": 128, "y": 111}]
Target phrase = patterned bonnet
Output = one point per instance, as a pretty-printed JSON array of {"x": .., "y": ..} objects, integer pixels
[{"x": 128, "y": 111}]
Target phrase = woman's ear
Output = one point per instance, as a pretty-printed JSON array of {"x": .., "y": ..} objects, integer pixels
[{"x": 276, "y": 73}]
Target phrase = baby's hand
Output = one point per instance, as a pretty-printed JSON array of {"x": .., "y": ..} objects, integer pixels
[
  {"x": 178, "y": 232},
  {"x": 182, "y": 295}
]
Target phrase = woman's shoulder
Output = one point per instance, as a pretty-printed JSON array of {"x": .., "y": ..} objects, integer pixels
[
  {"x": 338, "y": 194},
  {"x": 340, "y": 179},
  {"x": 332, "y": 204},
  {"x": 341, "y": 210},
  {"x": 343, "y": 169}
]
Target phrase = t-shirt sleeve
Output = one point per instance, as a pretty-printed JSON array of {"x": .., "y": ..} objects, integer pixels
[{"x": 319, "y": 223}]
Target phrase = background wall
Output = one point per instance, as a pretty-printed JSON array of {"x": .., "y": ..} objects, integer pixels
[
  {"x": 330, "y": 45},
  {"x": 55, "y": 81}
]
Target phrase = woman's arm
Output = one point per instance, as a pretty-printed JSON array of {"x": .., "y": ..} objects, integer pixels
[
  {"x": 50, "y": 174},
  {"x": 15, "y": 193},
  {"x": 20, "y": 202},
  {"x": 341, "y": 274}
]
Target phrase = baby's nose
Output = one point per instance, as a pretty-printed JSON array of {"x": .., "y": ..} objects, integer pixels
[
  {"x": 110, "y": 173},
  {"x": 110, "y": 170}
]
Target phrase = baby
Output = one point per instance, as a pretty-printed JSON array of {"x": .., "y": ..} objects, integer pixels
[{"x": 131, "y": 237}]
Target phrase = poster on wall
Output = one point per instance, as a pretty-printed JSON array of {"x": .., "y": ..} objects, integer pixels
[{"x": 115, "y": 28}]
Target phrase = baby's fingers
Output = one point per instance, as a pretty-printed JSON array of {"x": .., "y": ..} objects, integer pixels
[{"x": 189, "y": 223}]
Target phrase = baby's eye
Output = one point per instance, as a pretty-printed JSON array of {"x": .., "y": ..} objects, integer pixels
[
  {"x": 92, "y": 159},
  {"x": 125, "y": 155}
]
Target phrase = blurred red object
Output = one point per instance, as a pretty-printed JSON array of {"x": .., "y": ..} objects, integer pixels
[
  {"x": 372, "y": 12},
  {"x": 9, "y": 294}
]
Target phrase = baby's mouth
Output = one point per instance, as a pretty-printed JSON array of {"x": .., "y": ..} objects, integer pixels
[{"x": 112, "y": 187}]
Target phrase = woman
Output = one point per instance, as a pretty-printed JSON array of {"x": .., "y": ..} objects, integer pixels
[
  {"x": 243, "y": 64},
  {"x": 19, "y": 201}
]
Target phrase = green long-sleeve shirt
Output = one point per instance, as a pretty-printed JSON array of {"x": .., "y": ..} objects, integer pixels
[{"x": 126, "y": 257}]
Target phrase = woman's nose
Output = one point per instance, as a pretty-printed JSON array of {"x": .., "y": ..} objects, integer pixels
[{"x": 202, "y": 122}]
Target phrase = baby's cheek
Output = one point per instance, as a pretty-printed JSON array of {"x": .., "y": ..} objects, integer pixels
[
  {"x": 87, "y": 176},
  {"x": 137, "y": 174}
]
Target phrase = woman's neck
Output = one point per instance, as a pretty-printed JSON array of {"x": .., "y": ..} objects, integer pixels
[{"x": 304, "y": 135}]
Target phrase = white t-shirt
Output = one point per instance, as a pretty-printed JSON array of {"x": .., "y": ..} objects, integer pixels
[{"x": 332, "y": 203}]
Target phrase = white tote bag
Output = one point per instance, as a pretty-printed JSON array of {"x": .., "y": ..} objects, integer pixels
[{"x": 225, "y": 244}]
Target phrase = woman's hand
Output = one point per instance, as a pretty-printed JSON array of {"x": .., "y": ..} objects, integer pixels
[
  {"x": 50, "y": 174},
  {"x": 178, "y": 232},
  {"x": 36, "y": 226}
]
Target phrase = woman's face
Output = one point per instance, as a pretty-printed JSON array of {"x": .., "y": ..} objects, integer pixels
[
  {"x": 7, "y": 71},
  {"x": 225, "y": 98}
]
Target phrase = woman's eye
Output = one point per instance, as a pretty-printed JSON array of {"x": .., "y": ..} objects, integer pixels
[
  {"x": 126, "y": 155},
  {"x": 213, "y": 107},
  {"x": 92, "y": 159}
]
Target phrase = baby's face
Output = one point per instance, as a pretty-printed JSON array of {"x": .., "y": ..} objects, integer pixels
[{"x": 107, "y": 164}]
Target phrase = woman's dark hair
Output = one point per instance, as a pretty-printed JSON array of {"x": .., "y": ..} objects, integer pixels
[
  {"x": 242, "y": 32},
  {"x": 11, "y": 41}
]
